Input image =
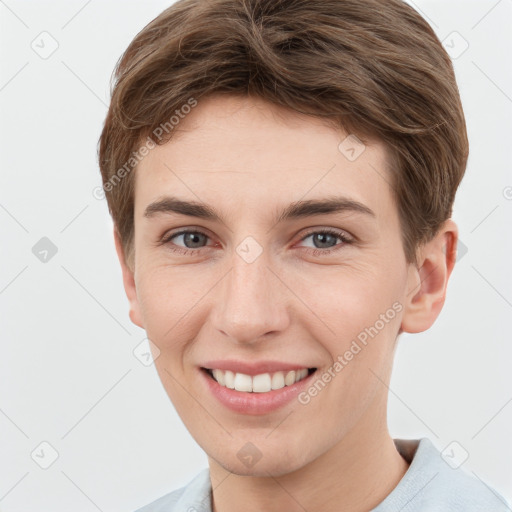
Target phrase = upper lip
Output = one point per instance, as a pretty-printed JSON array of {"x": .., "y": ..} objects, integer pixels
[{"x": 253, "y": 367}]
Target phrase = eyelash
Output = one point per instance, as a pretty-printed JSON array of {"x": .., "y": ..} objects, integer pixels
[{"x": 324, "y": 252}]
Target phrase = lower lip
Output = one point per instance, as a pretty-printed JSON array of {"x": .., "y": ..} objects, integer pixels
[{"x": 254, "y": 403}]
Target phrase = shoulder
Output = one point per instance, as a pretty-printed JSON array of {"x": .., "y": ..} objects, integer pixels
[
  {"x": 193, "y": 497},
  {"x": 434, "y": 483}
]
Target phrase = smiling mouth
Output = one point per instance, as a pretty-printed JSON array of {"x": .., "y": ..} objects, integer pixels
[{"x": 261, "y": 383}]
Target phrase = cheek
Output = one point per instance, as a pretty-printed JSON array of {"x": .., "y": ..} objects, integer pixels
[
  {"x": 362, "y": 310},
  {"x": 349, "y": 299},
  {"x": 169, "y": 301}
]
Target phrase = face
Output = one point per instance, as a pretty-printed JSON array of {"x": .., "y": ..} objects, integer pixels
[{"x": 286, "y": 277}]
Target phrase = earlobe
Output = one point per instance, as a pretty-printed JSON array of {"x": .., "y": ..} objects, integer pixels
[
  {"x": 427, "y": 283},
  {"x": 128, "y": 283}
]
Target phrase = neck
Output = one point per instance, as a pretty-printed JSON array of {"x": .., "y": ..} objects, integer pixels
[{"x": 355, "y": 475}]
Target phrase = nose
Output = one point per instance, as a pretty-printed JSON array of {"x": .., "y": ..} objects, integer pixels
[{"x": 250, "y": 305}]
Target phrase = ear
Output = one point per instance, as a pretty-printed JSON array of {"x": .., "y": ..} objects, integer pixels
[
  {"x": 128, "y": 283},
  {"x": 427, "y": 283}
]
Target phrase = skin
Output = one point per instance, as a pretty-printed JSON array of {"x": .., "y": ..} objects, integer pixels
[{"x": 247, "y": 159}]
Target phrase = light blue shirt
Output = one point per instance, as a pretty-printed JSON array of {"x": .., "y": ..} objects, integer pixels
[{"x": 429, "y": 485}]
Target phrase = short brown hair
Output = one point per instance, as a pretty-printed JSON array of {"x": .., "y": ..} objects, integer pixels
[{"x": 374, "y": 68}]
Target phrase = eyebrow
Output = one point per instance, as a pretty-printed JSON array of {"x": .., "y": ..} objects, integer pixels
[{"x": 295, "y": 210}]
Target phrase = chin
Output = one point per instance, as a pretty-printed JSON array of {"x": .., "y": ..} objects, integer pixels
[{"x": 275, "y": 464}]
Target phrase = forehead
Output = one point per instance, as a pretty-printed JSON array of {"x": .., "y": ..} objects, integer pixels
[{"x": 245, "y": 153}]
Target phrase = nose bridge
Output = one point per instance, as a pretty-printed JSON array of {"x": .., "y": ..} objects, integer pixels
[{"x": 250, "y": 303}]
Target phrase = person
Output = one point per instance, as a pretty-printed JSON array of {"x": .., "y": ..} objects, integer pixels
[{"x": 281, "y": 176}]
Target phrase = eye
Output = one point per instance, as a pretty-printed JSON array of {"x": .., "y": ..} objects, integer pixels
[
  {"x": 324, "y": 241},
  {"x": 192, "y": 239}
]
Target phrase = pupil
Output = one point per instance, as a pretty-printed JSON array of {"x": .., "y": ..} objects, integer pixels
[
  {"x": 192, "y": 238},
  {"x": 323, "y": 237}
]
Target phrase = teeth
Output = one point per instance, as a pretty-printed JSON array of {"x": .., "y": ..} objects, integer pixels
[
  {"x": 290, "y": 378},
  {"x": 229, "y": 379},
  {"x": 300, "y": 374},
  {"x": 261, "y": 383},
  {"x": 278, "y": 380},
  {"x": 243, "y": 382},
  {"x": 219, "y": 377}
]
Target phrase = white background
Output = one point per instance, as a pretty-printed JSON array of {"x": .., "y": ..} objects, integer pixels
[{"x": 68, "y": 375}]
